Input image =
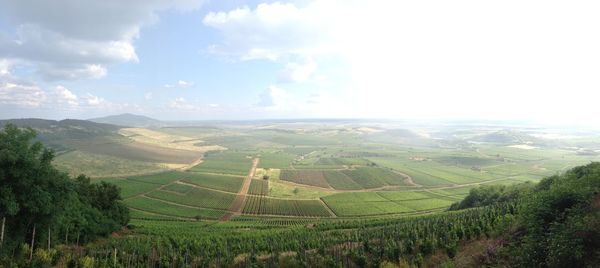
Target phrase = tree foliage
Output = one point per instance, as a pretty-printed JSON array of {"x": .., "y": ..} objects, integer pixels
[
  {"x": 492, "y": 194},
  {"x": 561, "y": 221},
  {"x": 34, "y": 193}
]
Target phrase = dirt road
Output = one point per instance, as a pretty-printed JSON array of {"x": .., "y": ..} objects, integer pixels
[{"x": 240, "y": 199}]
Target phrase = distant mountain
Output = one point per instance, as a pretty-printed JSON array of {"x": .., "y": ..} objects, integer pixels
[
  {"x": 400, "y": 135},
  {"x": 62, "y": 135},
  {"x": 506, "y": 137},
  {"x": 129, "y": 120}
]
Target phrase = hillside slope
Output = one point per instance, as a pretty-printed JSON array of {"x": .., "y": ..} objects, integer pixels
[
  {"x": 62, "y": 135},
  {"x": 129, "y": 120}
]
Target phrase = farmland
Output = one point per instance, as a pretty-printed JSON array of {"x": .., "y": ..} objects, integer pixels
[
  {"x": 338, "y": 178},
  {"x": 261, "y": 205},
  {"x": 341, "y": 171},
  {"x": 227, "y": 162},
  {"x": 259, "y": 187}
]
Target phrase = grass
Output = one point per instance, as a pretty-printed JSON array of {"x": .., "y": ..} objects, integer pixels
[
  {"x": 371, "y": 177},
  {"x": 308, "y": 177},
  {"x": 138, "y": 214},
  {"x": 220, "y": 182},
  {"x": 401, "y": 196},
  {"x": 259, "y": 187},
  {"x": 163, "y": 208},
  {"x": 452, "y": 191},
  {"x": 426, "y": 204},
  {"x": 166, "y": 140},
  {"x": 466, "y": 161},
  {"x": 138, "y": 151},
  {"x": 131, "y": 188},
  {"x": 178, "y": 188},
  {"x": 196, "y": 197},
  {"x": 381, "y": 203},
  {"x": 160, "y": 178},
  {"x": 275, "y": 159},
  {"x": 362, "y": 204},
  {"x": 227, "y": 162},
  {"x": 259, "y": 205},
  {"x": 98, "y": 165},
  {"x": 341, "y": 181},
  {"x": 284, "y": 189}
]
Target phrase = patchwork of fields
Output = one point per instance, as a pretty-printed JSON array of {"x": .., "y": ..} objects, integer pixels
[
  {"x": 324, "y": 174},
  {"x": 345, "y": 179}
]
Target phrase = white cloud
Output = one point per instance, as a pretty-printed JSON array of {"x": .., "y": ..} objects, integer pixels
[
  {"x": 272, "y": 31},
  {"x": 459, "y": 59},
  {"x": 24, "y": 95},
  {"x": 68, "y": 39},
  {"x": 148, "y": 96},
  {"x": 180, "y": 84},
  {"x": 181, "y": 104},
  {"x": 65, "y": 96},
  {"x": 95, "y": 101},
  {"x": 4, "y": 67},
  {"x": 272, "y": 97},
  {"x": 297, "y": 72},
  {"x": 57, "y": 72}
]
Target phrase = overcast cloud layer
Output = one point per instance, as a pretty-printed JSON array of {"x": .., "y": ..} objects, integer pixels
[{"x": 386, "y": 59}]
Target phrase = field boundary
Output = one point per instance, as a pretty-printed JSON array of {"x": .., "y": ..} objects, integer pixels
[
  {"x": 328, "y": 208},
  {"x": 240, "y": 200}
]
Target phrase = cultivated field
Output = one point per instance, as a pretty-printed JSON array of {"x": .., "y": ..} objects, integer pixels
[{"x": 315, "y": 171}]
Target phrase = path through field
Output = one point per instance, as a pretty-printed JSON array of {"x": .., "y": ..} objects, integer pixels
[{"x": 240, "y": 198}]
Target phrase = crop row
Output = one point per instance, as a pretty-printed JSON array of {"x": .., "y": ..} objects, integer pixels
[
  {"x": 196, "y": 197},
  {"x": 259, "y": 187},
  {"x": 348, "y": 179},
  {"x": 260, "y": 205}
]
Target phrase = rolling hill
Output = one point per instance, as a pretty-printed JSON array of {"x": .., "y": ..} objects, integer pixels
[{"x": 129, "y": 120}]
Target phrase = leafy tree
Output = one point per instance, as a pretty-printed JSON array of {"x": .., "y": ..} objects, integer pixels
[
  {"x": 32, "y": 191},
  {"x": 33, "y": 194}
]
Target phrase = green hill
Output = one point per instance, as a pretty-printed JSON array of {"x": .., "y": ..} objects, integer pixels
[{"x": 129, "y": 120}]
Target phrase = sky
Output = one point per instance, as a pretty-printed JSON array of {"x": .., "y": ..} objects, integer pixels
[{"x": 205, "y": 60}]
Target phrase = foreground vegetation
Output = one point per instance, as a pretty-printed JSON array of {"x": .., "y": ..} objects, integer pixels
[
  {"x": 40, "y": 205},
  {"x": 551, "y": 224},
  {"x": 326, "y": 197}
]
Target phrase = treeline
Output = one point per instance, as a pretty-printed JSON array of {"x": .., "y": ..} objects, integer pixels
[
  {"x": 557, "y": 221},
  {"x": 492, "y": 194},
  {"x": 41, "y": 207}
]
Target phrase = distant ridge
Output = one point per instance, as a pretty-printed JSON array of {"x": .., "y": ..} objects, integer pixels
[
  {"x": 64, "y": 134},
  {"x": 46, "y": 125},
  {"x": 128, "y": 120}
]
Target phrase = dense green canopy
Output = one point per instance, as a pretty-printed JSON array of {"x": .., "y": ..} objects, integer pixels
[{"x": 33, "y": 194}]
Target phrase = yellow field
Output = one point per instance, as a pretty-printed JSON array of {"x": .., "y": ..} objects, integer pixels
[{"x": 167, "y": 140}]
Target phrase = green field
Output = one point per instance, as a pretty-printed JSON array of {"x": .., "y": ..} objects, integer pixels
[
  {"x": 340, "y": 181},
  {"x": 227, "y": 162},
  {"x": 259, "y": 187},
  {"x": 219, "y": 182},
  {"x": 196, "y": 197},
  {"x": 308, "y": 177},
  {"x": 381, "y": 203},
  {"x": 354, "y": 173},
  {"x": 163, "y": 208},
  {"x": 258, "y": 205}
]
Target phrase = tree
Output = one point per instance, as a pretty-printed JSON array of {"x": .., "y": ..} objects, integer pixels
[{"x": 34, "y": 194}]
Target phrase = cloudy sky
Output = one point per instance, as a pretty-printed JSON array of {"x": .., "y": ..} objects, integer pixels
[{"x": 188, "y": 59}]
